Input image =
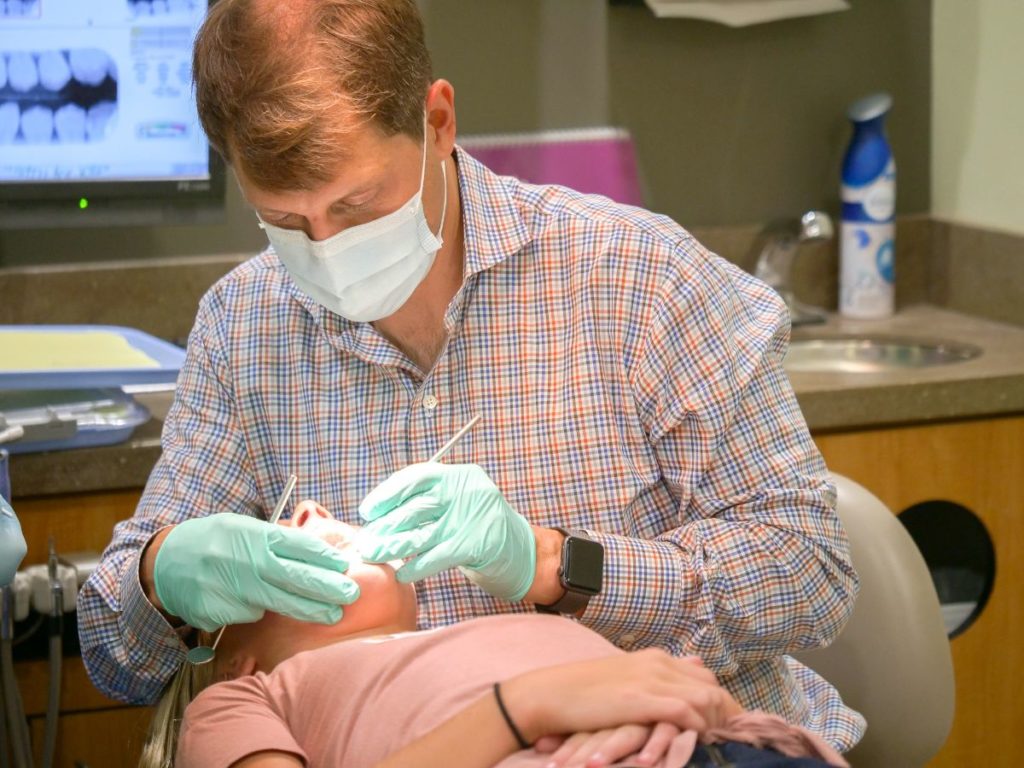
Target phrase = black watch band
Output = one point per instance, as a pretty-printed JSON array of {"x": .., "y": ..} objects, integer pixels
[{"x": 581, "y": 572}]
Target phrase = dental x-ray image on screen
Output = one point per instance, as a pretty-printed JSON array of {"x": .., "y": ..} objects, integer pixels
[
  {"x": 158, "y": 7},
  {"x": 20, "y": 8},
  {"x": 57, "y": 96},
  {"x": 95, "y": 104}
]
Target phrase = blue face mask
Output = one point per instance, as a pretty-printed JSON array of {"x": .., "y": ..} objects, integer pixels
[{"x": 366, "y": 272}]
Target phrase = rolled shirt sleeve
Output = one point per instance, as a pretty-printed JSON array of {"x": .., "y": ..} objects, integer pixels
[
  {"x": 758, "y": 564},
  {"x": 129, "y": 649}
]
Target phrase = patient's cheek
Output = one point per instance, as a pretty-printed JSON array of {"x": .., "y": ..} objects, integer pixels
[{"x": 379, "y": 592}]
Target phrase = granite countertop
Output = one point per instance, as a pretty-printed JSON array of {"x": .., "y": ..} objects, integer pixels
[{"x": 990, "y": 385}]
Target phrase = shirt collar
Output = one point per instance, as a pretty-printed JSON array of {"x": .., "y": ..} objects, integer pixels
[{"x": 492, "y": 225}]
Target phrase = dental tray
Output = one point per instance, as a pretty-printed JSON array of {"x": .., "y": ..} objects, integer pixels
[
  {"x": 59, "y": 419},
  {"x": 84, "y": 356}
]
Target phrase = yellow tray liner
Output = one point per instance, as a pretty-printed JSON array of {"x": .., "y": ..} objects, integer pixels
[{"x": 69, "y": 351}]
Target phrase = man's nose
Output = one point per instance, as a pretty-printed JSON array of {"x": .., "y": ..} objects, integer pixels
[{"x": 322, "y": 228}]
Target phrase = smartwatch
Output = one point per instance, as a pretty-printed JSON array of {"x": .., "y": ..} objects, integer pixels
[{"x": 581, "y": 572}]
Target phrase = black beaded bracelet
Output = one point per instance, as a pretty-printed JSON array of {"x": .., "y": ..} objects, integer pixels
[{"x": 523, "y": 743}]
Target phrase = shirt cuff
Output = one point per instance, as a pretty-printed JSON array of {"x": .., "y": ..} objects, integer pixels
[
  {"x": 641, "y": 595},
  {"x": 142, "y": 627}
]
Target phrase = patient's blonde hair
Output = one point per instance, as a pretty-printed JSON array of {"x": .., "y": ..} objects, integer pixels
[{"x": 162, "y": 741}]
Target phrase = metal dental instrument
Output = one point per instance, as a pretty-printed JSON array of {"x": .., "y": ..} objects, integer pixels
[
  {"x": 283, "y": 500},
  {"x": 202, "y": 654},
  {"x": 458, "y": 436}
]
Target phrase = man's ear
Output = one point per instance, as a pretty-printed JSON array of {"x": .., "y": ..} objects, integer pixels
[{"x": 441, "y": 115}]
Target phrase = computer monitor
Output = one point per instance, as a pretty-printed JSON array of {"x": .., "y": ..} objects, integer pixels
[{"x": 98, "y": 124}]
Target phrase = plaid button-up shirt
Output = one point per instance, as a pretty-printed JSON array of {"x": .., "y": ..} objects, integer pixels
[{"x": 630, "y": 384}]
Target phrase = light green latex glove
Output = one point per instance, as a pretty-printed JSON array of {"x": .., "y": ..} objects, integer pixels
[
  {"x": 449, "y": 515},
  {"x": 229, "y": 569},
  {"x": 12, "y": 543}
]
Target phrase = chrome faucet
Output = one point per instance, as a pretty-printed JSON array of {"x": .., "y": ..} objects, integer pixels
[{"x": 775, "y": 262}]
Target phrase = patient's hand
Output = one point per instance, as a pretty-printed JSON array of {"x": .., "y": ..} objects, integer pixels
[
  {"x": 648, "y": 686},
  {"x": 643, "y": 744}
]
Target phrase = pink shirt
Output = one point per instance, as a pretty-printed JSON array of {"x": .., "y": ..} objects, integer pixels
[{"x": 356, "y": 702}]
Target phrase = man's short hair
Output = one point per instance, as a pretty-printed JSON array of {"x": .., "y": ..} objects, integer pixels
[{"x": 279, "y": 84}]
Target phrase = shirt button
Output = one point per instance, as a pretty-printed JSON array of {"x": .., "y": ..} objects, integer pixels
[
  {"x": 626, "y": 641},
  {"x": 429, "y": 402}
]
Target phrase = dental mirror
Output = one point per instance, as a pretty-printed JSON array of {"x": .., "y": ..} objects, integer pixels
[{"x": 203, "y": 654}]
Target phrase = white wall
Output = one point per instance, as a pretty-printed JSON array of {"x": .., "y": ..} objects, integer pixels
[{"x": 978, "y": 112}]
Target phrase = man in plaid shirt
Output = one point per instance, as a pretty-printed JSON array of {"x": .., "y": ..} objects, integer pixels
[{"x": 630, "y": 385}]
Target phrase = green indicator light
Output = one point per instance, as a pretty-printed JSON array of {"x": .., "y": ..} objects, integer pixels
[{"x": 83, "y": 203}]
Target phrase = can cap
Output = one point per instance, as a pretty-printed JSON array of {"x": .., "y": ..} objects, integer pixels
[{"x": 869, "y": 107}]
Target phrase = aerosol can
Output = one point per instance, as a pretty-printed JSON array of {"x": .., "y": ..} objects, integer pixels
[{"x": 867, "y": 245}]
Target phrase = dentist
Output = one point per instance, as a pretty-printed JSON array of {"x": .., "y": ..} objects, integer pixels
[{"x": 641, "y": 466}]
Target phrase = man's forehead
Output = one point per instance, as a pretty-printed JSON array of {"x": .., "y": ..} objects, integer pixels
[{"x": 368, "y": 158}]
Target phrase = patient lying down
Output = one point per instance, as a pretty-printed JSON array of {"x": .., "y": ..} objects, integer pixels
[{"x": 372, "y": 691}]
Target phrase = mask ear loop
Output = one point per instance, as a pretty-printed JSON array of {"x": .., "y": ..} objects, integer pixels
[
  {"x": 444, "y": 177},
  {"x": 444, "y": 205}
]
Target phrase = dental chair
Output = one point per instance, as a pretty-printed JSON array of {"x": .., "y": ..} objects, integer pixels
[{"x": 892, "y": 661}]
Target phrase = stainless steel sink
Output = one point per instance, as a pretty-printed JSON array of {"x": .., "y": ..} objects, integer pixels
[{"x": 872, "y": 354}]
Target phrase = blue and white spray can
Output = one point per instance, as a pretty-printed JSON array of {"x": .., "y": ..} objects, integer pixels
[{"x": 867, "y": 233}]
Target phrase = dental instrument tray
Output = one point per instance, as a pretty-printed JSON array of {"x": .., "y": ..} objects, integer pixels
[
  {"x": 82, "y": 356},
  {"x": 54, "y": 420}
]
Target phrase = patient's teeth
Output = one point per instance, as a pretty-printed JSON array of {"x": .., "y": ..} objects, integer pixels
[
  {"x": 89, "y": 65},
  {"x": 21, "y": 71},
  {"x": 54, "y": 72},
  {"x": 37, "y": 124},
  {"x": 8, "y": 122},
  {"x": 98, "y": 121},
  {"x": 69, "y": 121},
  {"x": 21, "y": 7}
]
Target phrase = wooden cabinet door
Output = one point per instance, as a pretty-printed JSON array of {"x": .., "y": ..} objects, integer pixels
[
  {"x": 110, "y": 738},
  {"x": 980, "y": 465}
]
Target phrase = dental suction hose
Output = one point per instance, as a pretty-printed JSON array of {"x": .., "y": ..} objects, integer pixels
[
  {"x": 56, "y": 659},
  {"x": 17, "y": 727}
]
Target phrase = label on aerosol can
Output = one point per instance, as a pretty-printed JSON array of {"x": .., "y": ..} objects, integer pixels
[{"x": 867, "y": 231}]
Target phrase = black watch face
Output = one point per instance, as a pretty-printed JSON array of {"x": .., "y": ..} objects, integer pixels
[{"x": 583, "y": 569}]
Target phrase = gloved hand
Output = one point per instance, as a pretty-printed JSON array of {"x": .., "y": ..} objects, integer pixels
[
  {"x": 12, "y": 543},
  {"x": 229, "y": 569},
  {"x": 449, "y": 515}
]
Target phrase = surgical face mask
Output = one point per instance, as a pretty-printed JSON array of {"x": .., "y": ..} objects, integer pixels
[{"x": 369, "y": 270}]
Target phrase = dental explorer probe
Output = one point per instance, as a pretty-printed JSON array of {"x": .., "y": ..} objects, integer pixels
[
  {"x": 202, "y": 654},
  {"x": 458, "y": 436}
]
